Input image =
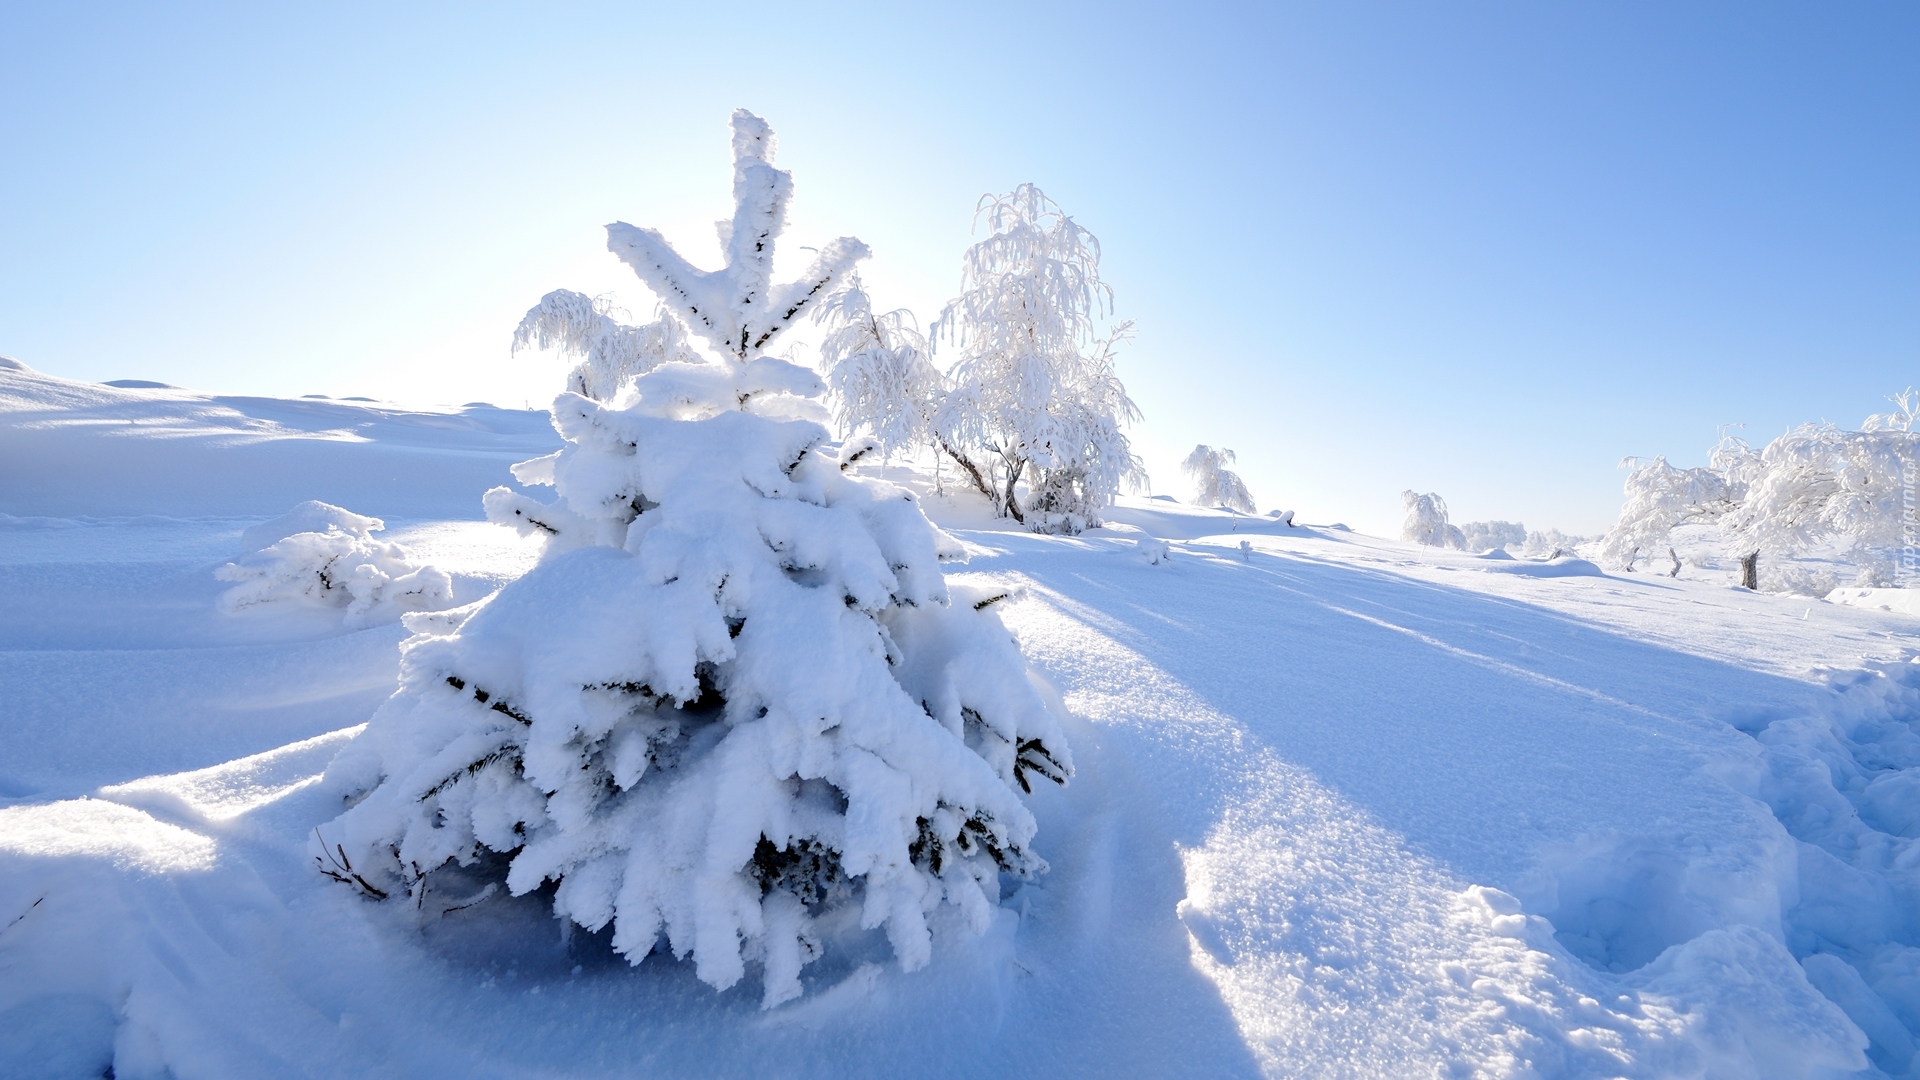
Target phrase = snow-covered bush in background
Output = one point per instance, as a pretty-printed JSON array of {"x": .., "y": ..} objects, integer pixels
[
  {"x": 737, "y": 710},
  {"x": 1034, "y": 396},
  {"x": 877, "y": 367},
  {"x": 1426, "y": 521},
  {"x": 1213, "y": 483},
  {"x": 612, "y": 353},
  {"x": 1819, "y": 503},
  {"x": 1552, "y": 543},
  {"x": 1515, "y": 538},
  {"x": 321, "y": 555},
  {"x": 1477, "y": 536}
]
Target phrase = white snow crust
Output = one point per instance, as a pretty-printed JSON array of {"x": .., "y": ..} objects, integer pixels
[{"x": 1344, "y": 806}]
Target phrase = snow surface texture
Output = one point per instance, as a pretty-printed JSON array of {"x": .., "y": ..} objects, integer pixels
[
  {"x": 1344, "y": 807},
  {"x": 322, "y": 554}
]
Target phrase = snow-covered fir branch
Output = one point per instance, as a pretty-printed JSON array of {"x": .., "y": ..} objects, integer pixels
[{"x": 737, "y": 309}]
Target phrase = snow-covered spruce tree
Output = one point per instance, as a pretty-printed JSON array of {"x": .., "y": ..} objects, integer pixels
[
  {"x": 1214, "y": 484},
  {"x": 877, "y": 368},
  {"x": 1034, "y": 397},
  {"x": 736, "y": 711},
  {"x": 611, "y": 353},
  {"x": 1426, "y": 521}
]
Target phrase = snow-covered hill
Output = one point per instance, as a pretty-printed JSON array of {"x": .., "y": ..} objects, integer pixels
[{"x": 1344, "y": 806}]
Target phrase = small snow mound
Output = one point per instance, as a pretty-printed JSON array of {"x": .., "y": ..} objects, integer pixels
[
  {"x": 1899, "y": 601},
  {"x": 139, "y": 384},
  {"x": 1566, "y": 566},
  {"x": 1152, "y": 549},
  {"x": 1496, "y": 555},
  {"x": 8, "y": 363},
  {"x": 310, "y": 516},
  {"x": 320, "y": 554}
]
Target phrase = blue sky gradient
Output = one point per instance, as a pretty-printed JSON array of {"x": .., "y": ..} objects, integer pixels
[{"x": 1484, "y": 249}]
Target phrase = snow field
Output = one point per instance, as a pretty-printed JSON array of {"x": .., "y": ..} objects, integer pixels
[{"x": 1344, "y": 807}]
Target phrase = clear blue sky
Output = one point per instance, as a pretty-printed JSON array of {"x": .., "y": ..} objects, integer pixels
[{"x": 1484, "y": 249}]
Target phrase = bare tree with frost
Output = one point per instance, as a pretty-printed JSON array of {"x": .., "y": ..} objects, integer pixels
[
  {"x": 737, "y": 711},
  {"x": 1817, "y": 490},
  {"x": 1035, "y": 399},
  {"x": 1659, "y": 498},
  {"x": 1426, "y": 521},
  {"x": 878, "y": 370},
  {"x": 1214, "y": 483},
  {"x": 612, "y": 353}
]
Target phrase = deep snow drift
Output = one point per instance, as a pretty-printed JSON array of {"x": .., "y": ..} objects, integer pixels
[{"x": 1344, "y": 806}]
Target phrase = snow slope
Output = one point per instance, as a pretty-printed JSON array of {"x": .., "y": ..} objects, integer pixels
[{"x": 1345, "y": 806}]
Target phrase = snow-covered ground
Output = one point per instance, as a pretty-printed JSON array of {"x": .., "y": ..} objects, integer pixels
[{"x": 1344, "y": 806}]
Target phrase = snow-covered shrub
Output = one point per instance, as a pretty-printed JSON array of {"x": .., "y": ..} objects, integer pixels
[
  {"x": 1552, "y": 543},
  {"x": 1213, "y": 483},
  {"x": 1843, "y": 499},
  {"x": 1426, "y": 521},
  {"x": 612, "y": 353},
  {"x": 877, "y": 368},
  {"x": 1478, "y": 536},
  {"x": 737, "y": 710},
  {"x": 1035, "y": 399},
  {"x": 321, "y": 555}
]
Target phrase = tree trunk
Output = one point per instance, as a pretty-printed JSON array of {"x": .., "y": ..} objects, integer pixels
[
  {"x": 1750, "y": 572},
  {"x": 968, "y": 467},
  {"x": 1014, "y": 469},
  {"x": 1676, "y": 563}
]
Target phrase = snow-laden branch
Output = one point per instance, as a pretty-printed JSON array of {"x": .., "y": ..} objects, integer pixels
[
  {"x": 612, "y": 353},
  {"x": 736, "y": 309}
]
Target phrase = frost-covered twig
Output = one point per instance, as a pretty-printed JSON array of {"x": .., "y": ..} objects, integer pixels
[{"x": 337, "y": 866}]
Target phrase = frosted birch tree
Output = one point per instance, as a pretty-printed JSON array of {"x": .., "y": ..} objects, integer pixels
[
  {"x": 877, "y": 367},
  {"x": 1426, "y": 521},
  {"x": 1818, "y": 492},
  {"x": 1034, "y": 399},
  {"x": 1214, "y": 483},
  {"x": 737, "y": 712}
]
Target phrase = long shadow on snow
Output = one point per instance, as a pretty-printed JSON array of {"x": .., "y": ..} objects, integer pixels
[{"x": 1476, "y": 727}]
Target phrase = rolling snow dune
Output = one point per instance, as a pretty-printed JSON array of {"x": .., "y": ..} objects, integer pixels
[
  {"x": 72, "y": 449},
  {"x": 1345, "y": 807}
]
